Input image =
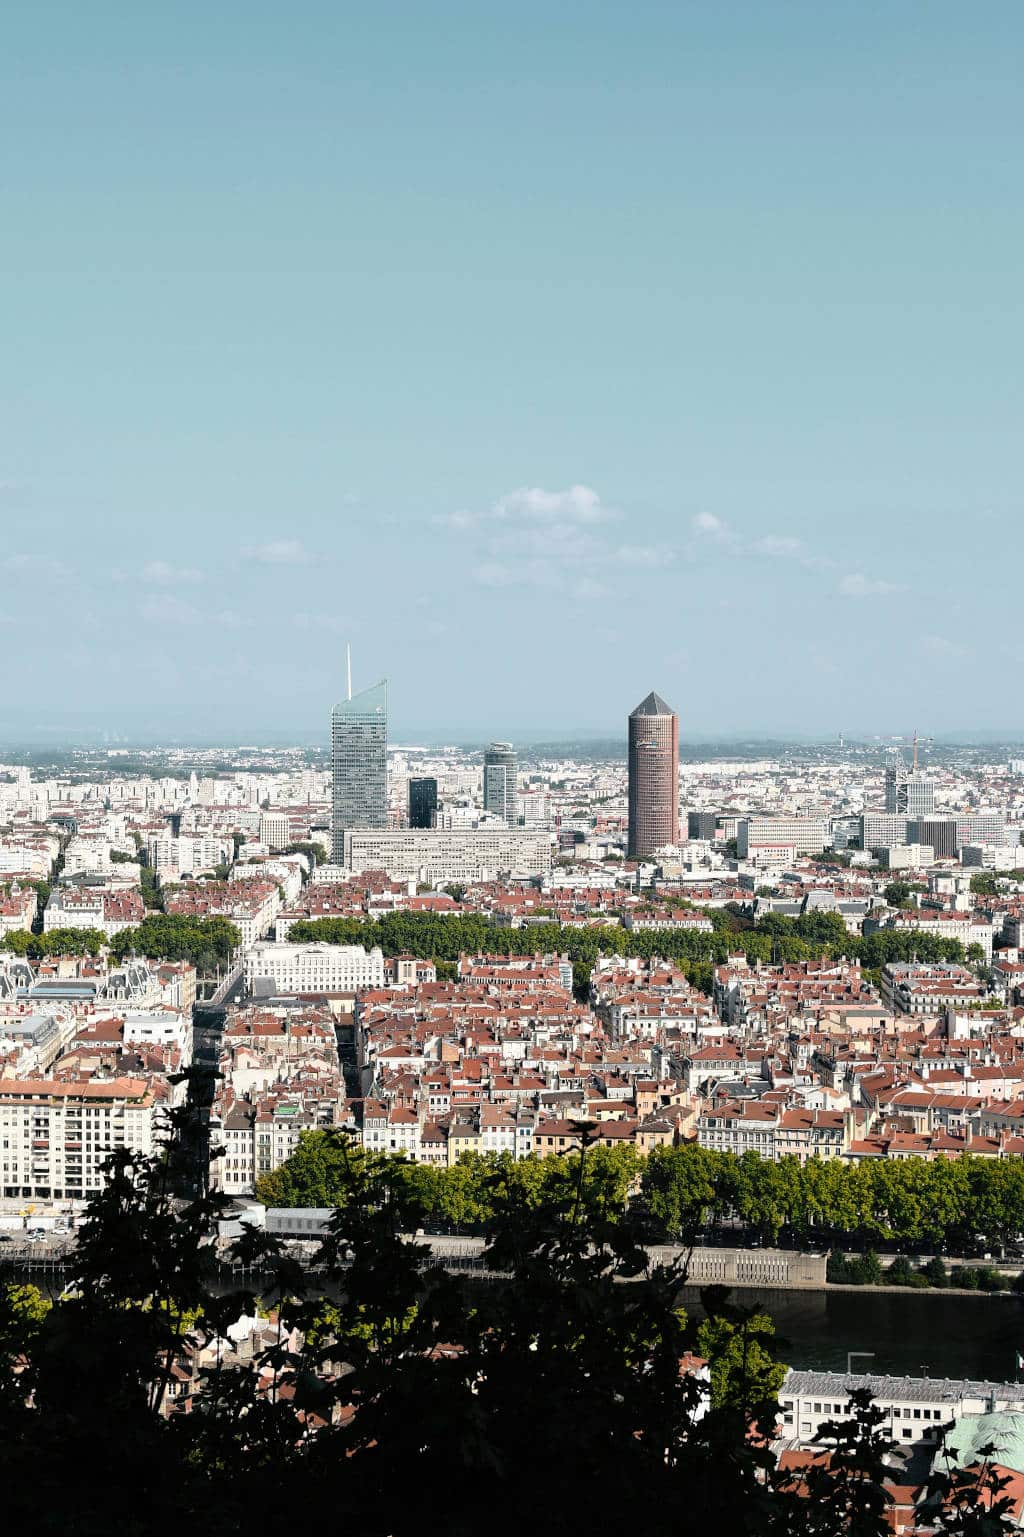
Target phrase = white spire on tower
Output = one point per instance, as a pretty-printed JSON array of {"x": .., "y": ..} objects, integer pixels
[{"x": 348, "y": 662}]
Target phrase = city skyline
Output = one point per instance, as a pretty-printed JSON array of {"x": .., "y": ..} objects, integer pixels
[{"x": 533, "y": 361}]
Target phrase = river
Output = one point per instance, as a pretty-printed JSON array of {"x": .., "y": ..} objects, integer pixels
[{"x": 917, "y": 1333}]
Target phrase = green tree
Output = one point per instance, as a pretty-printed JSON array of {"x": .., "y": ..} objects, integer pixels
[
  {"x": 866, "y": 1269},
  {"x": 314, "y": 1175},
  {"x": 205, "y": 942},
  {"x": 735, "y": 1340},
  {"x": 936, "y": 1272}
]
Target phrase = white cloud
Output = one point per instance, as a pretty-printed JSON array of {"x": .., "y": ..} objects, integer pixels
[
  {"x": 707, "y": 526},
  {"x": 554, "y": 541},
  {"x": 533, "y": 504},
  {"x": 278, "y": 552},
  {"x": 857, "y": 585},
  {"x": 161, "y": 574},
  {"x": 578, "y": 504}
]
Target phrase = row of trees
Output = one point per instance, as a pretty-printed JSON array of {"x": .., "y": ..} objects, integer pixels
[
  {"x": 868, "y": 1270},
  {"x": 462, "y": 1195},
  {"x": 442, "y": 937},
  {"x": 677, "y": 1194},
  {"x": 548, "y": 1399},
  {"x": 206, "y": 942},
  {"x": 56, "y": 942},
  {"x": 209, "y": 942},
  {"x": 913, "y": 1202}
]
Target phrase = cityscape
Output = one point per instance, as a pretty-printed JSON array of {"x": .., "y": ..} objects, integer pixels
[
  {"x": 465, "y": 961},
  {"x": 511, "y": 770}
]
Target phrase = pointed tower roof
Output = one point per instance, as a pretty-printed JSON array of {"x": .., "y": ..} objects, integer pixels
[
  {"x": 369, "y": 701},
  {"x": 652, "y": 705}
]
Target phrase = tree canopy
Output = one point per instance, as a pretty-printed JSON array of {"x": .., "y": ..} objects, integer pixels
[
  {"x": 547, "y": 1398},
  {"x": 206, "y": 942},
  {"x": 444, "y": 937}
]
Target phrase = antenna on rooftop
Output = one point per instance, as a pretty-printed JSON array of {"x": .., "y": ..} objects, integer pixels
[{"x": 348, "y": 667}]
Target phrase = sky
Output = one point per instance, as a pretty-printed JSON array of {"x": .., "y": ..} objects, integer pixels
[{"x": 549, "y": 353}]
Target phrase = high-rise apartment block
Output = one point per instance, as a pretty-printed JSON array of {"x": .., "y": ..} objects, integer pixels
[
  {"x": 433, "y": 855},
  {"x": 359, "y": 764},
  {"x": 653, "y": 777},
  {"x": 501, "y": 782},
  {"x": 275, "y": 829},
  {"x": 882, "y": 829},
  {"x": 422, "y": 802},
  {"x": 804, "y": 835}
]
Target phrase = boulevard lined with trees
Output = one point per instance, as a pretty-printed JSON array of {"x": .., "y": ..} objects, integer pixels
[
  {"x": 774, "y": 938},
  {"x": 205, "y": 942},
  {"x": 682, "y": 1194}
]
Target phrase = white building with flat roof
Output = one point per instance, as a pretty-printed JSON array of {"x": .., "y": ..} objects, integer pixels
[
  {"x": 314, "y": 968},
  {"x": 807, "y": 835},
  {"x": 915, "y": 1408},
  {"x": 435, "y": 854}
]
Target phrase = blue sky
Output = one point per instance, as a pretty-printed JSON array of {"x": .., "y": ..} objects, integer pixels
[{"x": 549, "y": 353}]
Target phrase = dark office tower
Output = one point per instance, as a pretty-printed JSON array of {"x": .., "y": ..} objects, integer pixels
[
  {"x": 701, "y": 824},
  {"x": 653, "y": 777},
  {"x": 359, "y": 765},
  {"x": 500, "y": 782},
  {"x": 941, "y": 834},
  {"x": 422, "y": 802}
]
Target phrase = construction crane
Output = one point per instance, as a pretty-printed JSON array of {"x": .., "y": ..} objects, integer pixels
[{"x": 920, "y": 742}]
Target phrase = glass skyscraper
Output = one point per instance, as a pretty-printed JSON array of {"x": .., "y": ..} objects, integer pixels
[
  {"x": 359, "y": 764},
  {"x": 501, "y": 781}
]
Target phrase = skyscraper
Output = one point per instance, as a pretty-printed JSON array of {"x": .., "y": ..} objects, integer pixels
[
  {"x": 501, "y": 782},
  {"x": 359, "y": 764},
  {"x": 653, "y": 777},
  {"x": 909, "y": 794},
  {"x": 422, "y": 802}
]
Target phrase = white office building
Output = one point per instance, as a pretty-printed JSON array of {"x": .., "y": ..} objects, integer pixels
[
  {"x": 806, "y": 835},
  {"x": 313, "y": 968}
]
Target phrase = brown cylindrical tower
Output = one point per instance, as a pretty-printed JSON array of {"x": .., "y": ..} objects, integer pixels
[{"x": 653, "y": 777}]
